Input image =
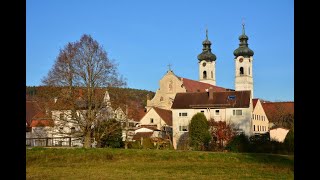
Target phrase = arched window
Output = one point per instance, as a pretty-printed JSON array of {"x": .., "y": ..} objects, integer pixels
[
  {"x": 211, "y": 74},
  {"x": 249, "y": 70},
  {"x": 204, "y": 74},
  {"x": 241, "y": 70}
]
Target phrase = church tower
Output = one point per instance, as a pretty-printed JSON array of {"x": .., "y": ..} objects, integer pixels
[
  {"x": 207, "y": 63},
  {"x": 243, "y": 64}
]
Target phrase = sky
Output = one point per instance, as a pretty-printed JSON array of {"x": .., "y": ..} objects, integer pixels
[{"x": 144, "y": 37}]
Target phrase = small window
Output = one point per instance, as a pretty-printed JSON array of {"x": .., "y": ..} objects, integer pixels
[
  {"x": 151, "y": 120},
  {"x": 183, "y": 128},
  {"x": 204, "y": 74},
  {"x": 258, "y": 128},
  {"x": 183, "y": 114},
  {"x": 254, "y": 127},
  {"x": 211, "y": 74},
  {"x": 234, "y": 112},
  {"x": 217, "y": 112},
  {"x": 239, "y": 112},
  {"x": 241, "y": 70},
  {"x": 202, "y": 111}
]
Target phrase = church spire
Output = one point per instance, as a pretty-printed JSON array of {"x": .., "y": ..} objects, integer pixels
[
  {"x": 206, "y": 50},
  {"x": 207, "y": 34},
  {"x": 243, "y": 31},
  {"x": 243, "y": 49}
]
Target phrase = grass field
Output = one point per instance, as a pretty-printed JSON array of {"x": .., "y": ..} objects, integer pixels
[{"x": 43, "y": 163}]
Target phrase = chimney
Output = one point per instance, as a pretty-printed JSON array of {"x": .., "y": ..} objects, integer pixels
[{"x": 210, "y": 93}]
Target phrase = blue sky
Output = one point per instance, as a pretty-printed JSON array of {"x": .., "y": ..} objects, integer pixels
[{"x": 144, "y": 36}]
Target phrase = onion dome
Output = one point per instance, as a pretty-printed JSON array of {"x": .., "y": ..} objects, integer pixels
[
  {"x": 243, "y": 49},
  {"x": 206, "y": 54}
]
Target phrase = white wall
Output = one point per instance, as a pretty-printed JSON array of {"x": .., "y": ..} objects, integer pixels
[
  {"x": 260, "y": 122},
  {"x": 157, "y": 120},
  {"x": 210, "y": 67},
  {"x": 245, "y": 81},
  {"x": 243, "y": 122},
  {"x": 278, "y": 134}
]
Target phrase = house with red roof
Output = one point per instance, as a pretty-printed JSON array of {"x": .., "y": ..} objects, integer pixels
[
  {"x": 160, "y": 120},
  {"x": 233, "y": 107}
]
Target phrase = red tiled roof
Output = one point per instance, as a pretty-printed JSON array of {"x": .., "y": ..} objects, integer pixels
[
  {"x": 42, "y": 123},
  {"x": 196, "y": 86},
  {"x": 166, "y": 115},
  {"x": 135, "y": 112},
  {"x": 273, "y": 109},
  {"x": 31, "y": 110},
  {"x": 254, "y": 102},
  {"x": 42, "y": 119},
  {"x": 138, "y": 135},
  {"x": 219, "y": 99}
]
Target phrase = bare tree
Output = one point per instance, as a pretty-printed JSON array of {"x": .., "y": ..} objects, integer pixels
[{"x": 85, "y": 71}]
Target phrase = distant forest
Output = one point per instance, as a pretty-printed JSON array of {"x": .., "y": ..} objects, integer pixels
[{"x": 118, "y": 96}]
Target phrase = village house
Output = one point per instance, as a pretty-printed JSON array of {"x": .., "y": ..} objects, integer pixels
[
  {"x": 232, "y": 107},
  {"x": 58, "y": 125}
]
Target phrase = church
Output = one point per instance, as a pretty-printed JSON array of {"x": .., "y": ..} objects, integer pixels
[{"x": 183, "y": 98}]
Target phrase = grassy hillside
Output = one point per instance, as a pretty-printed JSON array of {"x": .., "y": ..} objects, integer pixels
[{"x": 154, "y": 164}]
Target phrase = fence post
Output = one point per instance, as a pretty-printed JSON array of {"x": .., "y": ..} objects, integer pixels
[{"x": 70, "y": 141}]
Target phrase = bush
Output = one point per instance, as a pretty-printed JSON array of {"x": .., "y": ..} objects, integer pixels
[
  {"x": 239, "y": 143},
  {"x": 134, "y": 145},
  {"x": 289, "y": 141},
  {"x": 148, "y": 144},
  {"x": 199, "y": 132}
]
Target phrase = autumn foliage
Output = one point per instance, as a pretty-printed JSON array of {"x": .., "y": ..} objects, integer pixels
[{"x": 221, "y": 134}]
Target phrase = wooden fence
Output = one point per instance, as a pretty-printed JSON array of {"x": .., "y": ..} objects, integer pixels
[{"x": 54, "y": 141}]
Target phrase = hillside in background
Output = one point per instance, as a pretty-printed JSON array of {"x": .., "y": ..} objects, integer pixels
[{"x": 136, "y": 99}]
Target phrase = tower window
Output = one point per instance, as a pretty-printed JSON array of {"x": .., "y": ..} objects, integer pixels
[
  {"x": 204, "y": 74},
  {"x": 211, "y": 74},
  {"x": 151, "y": 120},
  {"x": 249, "y": 70},
  {"x": 241, "y": 70}
]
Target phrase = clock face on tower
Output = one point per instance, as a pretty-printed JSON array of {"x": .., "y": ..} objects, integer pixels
[
  {"x": 241, "y": 60},
  {"x": 204, "y": 64}
]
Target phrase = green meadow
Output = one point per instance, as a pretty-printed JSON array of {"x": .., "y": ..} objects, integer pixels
[{"x": 80, "y": 163}]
